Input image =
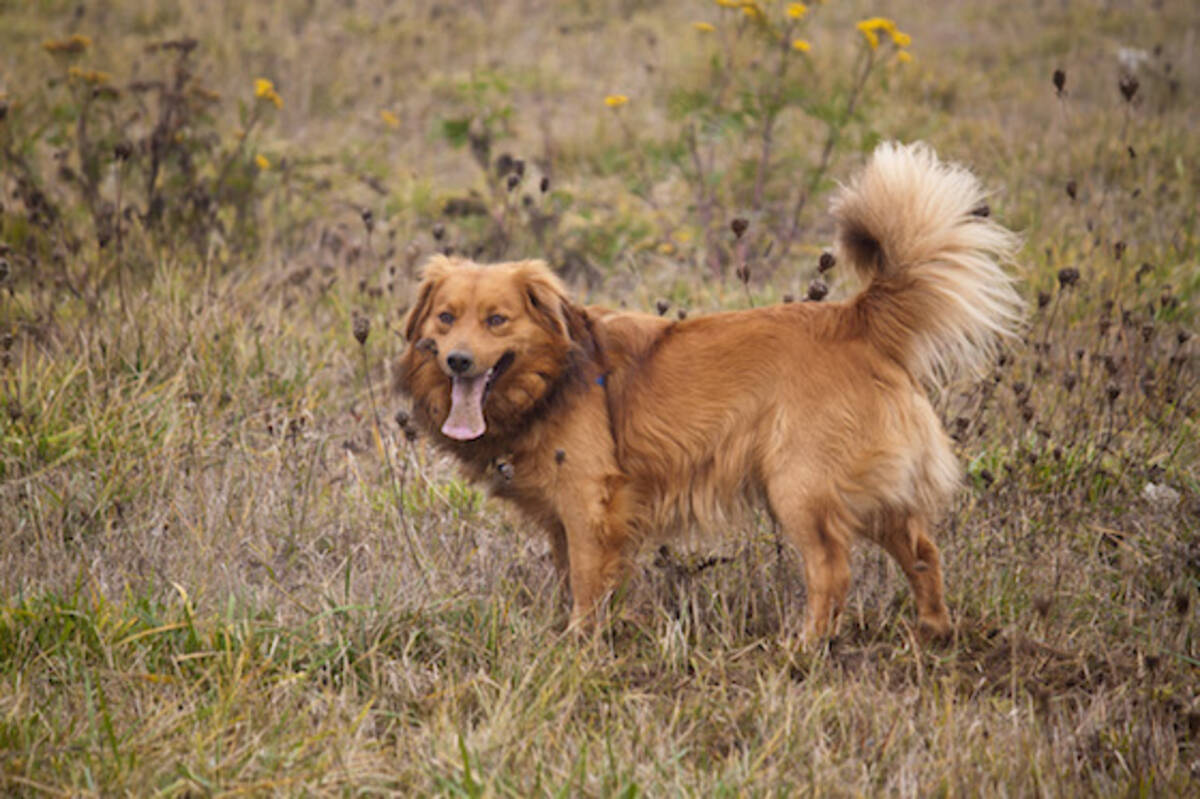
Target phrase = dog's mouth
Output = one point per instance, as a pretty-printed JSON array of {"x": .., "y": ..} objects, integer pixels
[{"x": 467, "y": 396}]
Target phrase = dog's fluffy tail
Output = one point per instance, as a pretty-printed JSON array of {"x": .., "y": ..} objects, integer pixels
[{"x": 915, "y": 229}]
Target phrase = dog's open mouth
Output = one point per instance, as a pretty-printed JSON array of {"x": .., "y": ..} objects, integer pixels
[{"x": 467, "y": 395}]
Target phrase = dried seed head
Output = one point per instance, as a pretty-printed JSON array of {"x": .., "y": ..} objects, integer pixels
[
  {"x": 5, "y": 269},
  {"x": 827, "y": 261},
  {"x": 368, "y": 219},
  {"x": 402, "y": 418},
  {"x": 439, "y": 231},
  {"x": 123, "y": 150},
  {"x": 1147, "y": 331},
  {"x": 743, "y": 273},
  {"x": 738, "y": 226},
  {"x": 1118, "y": 249},
  {"x": 788, "y": 299},
  {"x": 817, "y": 290},
  {"x": 1128, "y": 84},
  {"x": 1183, "y": 602},
  {"x": 681, "y": 314},
  {"x": 1072, "y": 189},
  {"x": 513, "y": 181},
  {"x": 504, "y": 164},
  {"x": 1113, "y": 392},
  {"x": 1043, "y": 299},
  {"x": 1068, "y": 277},
  {"x": 1060, "y": 80},
  {"x": 361, "y": 326},
  {"x": 987, "y": 477},
  {"x": 981, "y": 210},
  {"x": 6, "y": 342},
  {"x": 560, "y": 456},
  {"x": 1182, "y": 336},
  {"x": 1069, "y": 382},
  {"x": 662, "y": 306},
  {"x": 544, "y": 185}
]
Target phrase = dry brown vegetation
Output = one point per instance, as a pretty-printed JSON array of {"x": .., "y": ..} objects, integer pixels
[{"x": 226, "y": 566}]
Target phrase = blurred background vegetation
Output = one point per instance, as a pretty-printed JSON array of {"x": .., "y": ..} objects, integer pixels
[{"x": 227, "y": 565}]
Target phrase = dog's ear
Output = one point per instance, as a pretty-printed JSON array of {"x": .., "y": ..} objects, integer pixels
[
  {"x": 436, "y": 269},
  {"x": 547, "y": 301}
]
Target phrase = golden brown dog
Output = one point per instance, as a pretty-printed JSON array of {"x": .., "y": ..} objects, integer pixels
[{"x": 616, "y": 427}]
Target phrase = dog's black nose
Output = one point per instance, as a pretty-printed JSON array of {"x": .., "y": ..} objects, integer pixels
[{"x": 459, "y": 362}]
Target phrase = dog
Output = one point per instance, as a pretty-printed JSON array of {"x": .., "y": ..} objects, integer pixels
[{"x": 609, "y": 428}]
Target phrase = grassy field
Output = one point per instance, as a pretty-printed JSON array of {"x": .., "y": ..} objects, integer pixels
[{"x": 227, "y": 568}]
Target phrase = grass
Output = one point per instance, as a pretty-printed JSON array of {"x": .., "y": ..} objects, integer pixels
[{"x": 226, "y": 568}]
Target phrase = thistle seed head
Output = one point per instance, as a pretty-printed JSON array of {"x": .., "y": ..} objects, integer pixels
[
  {"x": 1128, "y": 84},
  {"x": 817, "y": 290},
  {"x": 361, "y": 326},
  {"x": 1068, "y": 277}
]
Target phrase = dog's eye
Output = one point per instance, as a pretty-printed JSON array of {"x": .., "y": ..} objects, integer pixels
[
  {"x": 446, "y": 318},
  {"x": 495, "y": 320}
]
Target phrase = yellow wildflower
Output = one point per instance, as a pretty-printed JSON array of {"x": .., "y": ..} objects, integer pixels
[
  {"x": 72, "y": 45},
  {"x": 869, "y": 35},
  {"x": 704, "y": 27},
  {"x": 615, "y": 100},
  {"x": 901, "y": 39},
  {"x": 729, "y": 3},
  {"x": 904, "y": 57},
  {"x": 802, "y": 45},
  {"x": 261, "y": 161},
  {"x": 752, "y": 10},
  {"x": 265, "y": 90},
  {"x": 878, "y": 24},
  {"x": 666, "y": 248},
  {"x": 390, "y": 119},
  {"x": 797, "y": 10},
  {"x": 92, "y": 76}
]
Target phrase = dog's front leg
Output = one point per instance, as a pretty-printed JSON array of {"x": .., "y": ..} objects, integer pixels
[{"x": 595, "y": 537}]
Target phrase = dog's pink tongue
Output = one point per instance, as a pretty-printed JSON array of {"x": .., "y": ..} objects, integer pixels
[{"x": 465, "y": 420}]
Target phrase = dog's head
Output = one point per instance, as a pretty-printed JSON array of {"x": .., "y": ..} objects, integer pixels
[{"x": 485, "y": 343}]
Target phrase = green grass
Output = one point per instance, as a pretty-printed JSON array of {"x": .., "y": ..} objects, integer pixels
[{"x": 219, "y": 575}]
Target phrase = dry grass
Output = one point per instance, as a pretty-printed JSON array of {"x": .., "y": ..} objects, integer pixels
[{"x": 219, "y": 574}]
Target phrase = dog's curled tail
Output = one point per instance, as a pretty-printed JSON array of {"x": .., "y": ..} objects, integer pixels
[{"x": 916, "y": 230}]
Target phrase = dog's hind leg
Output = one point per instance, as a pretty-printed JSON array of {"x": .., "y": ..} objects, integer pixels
[
  {"x": 823, "y": 538},
  {"x": 907, "y": 539}
]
